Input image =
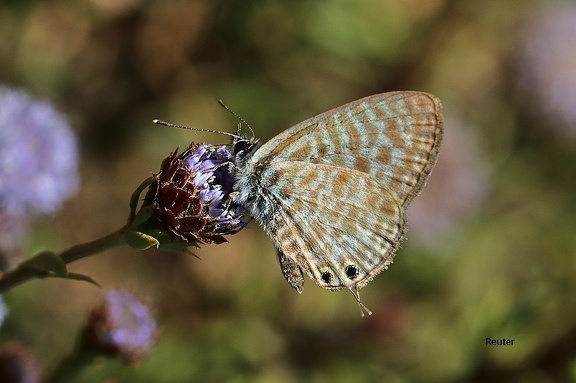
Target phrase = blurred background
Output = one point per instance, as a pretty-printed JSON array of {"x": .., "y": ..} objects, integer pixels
[{"x": 491, "y": 240}]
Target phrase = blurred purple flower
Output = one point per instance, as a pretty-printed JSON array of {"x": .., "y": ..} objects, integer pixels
[
  {"x": 38, "y": 155},
  {"x": 17, "y": 365},
  {"x": 546, "y": 62},
  {"x": 3, "y": 310},
  {"x": 122, "y": 326},
  {"x": 455, "y": 190}
]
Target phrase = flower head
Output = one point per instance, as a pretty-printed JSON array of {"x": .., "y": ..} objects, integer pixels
[
  {"x": 121, "y": 326},
  {"x": 38, "y": 155},
  {"x": 192, "y": 195}
]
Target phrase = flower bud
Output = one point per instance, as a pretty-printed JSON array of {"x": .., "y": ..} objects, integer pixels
[{"x": 121, "y": 326}]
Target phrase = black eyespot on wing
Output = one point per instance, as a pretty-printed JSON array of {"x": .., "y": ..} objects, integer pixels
[
  {"x": 326, "y": 277},
  {"x": 351, "y": 271}
]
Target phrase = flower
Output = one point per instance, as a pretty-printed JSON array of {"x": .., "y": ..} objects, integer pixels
[
  {"x": 192, "y": 195},
  {"x": 17, "y": 365},
  {"x": 3, "y": 310},
  {"x": 38, "y": 155},
  {"x": 121, "y": 326},
  {"x": 461, "y": 173},
  {"x": 546, "y": 62}
]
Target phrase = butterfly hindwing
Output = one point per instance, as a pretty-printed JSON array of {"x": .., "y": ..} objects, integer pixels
[
  {"x": 291, "y": 271},
  {"x": 326, "y": 231}
]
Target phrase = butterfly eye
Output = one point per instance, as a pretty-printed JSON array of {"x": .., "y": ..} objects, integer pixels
[
  {"x": 326, "y": 277},
  {"x": 240, "y": 146},
  {"x": 351, "y": 271}
]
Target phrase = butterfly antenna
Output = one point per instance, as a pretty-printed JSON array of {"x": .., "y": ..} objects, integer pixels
[
  {"x": 161, "y": 122},
  {"x": 360, "y": 304},
  {"x": 243, "y": 121}
]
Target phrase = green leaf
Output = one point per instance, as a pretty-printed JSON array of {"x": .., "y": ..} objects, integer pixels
[
  {"x": 47, "y": 261},
  {"x": 135, "y": 198},
  {"x": 82, "y": 277},
  {"x": 189, "y": 252},
  {"x": 179, "y": 247},
  {"x": 141, "y": 241},
  {"x": 144, "y": 214},
  {"x": 75, "y": 277}
]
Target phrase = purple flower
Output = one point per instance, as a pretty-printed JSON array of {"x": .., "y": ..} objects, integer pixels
[
  {"x": 3, "y": 311},
  {"x": 455, "y": 190},
  {"x": 122, "y": 326},
  {"x": 17, "y": 365},
  {"x": 38, "y": 155},
  {"x": 546, "y": 62},
  {"x": 192, "y": 195}
]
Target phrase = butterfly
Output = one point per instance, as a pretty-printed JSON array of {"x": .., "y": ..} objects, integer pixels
[{"x": 332, "y": 191}]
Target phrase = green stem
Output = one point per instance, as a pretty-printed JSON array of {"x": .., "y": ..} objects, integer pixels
[
  {"x": 21, "y": 274},
  {"x": 72, "y": 366},
  {"x": 84, "y": 250},
  {"x": 36, "y": 266},
  {"x": 17, "y": 276},
  {"x": 69, "y": 369}
]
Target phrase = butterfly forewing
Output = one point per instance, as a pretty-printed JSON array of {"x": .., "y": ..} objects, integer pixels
[
  {"x": 391, "y": 136},
  {"x": 331, "y": 192}
]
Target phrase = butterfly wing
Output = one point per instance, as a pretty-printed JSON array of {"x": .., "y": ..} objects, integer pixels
[
  {"x": 331, "y": 192},
  {"x": 342, "y": 234},
  {"x": 393, "y": 137}
]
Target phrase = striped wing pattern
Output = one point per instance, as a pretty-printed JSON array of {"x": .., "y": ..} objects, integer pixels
[
  {"x": 355, "y": 222},
  {"x": 393, "y": 137},
  {"x": 332, "y": 191}
]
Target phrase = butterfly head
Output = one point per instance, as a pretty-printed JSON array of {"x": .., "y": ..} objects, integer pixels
[{"x": 243, "y": 146}]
